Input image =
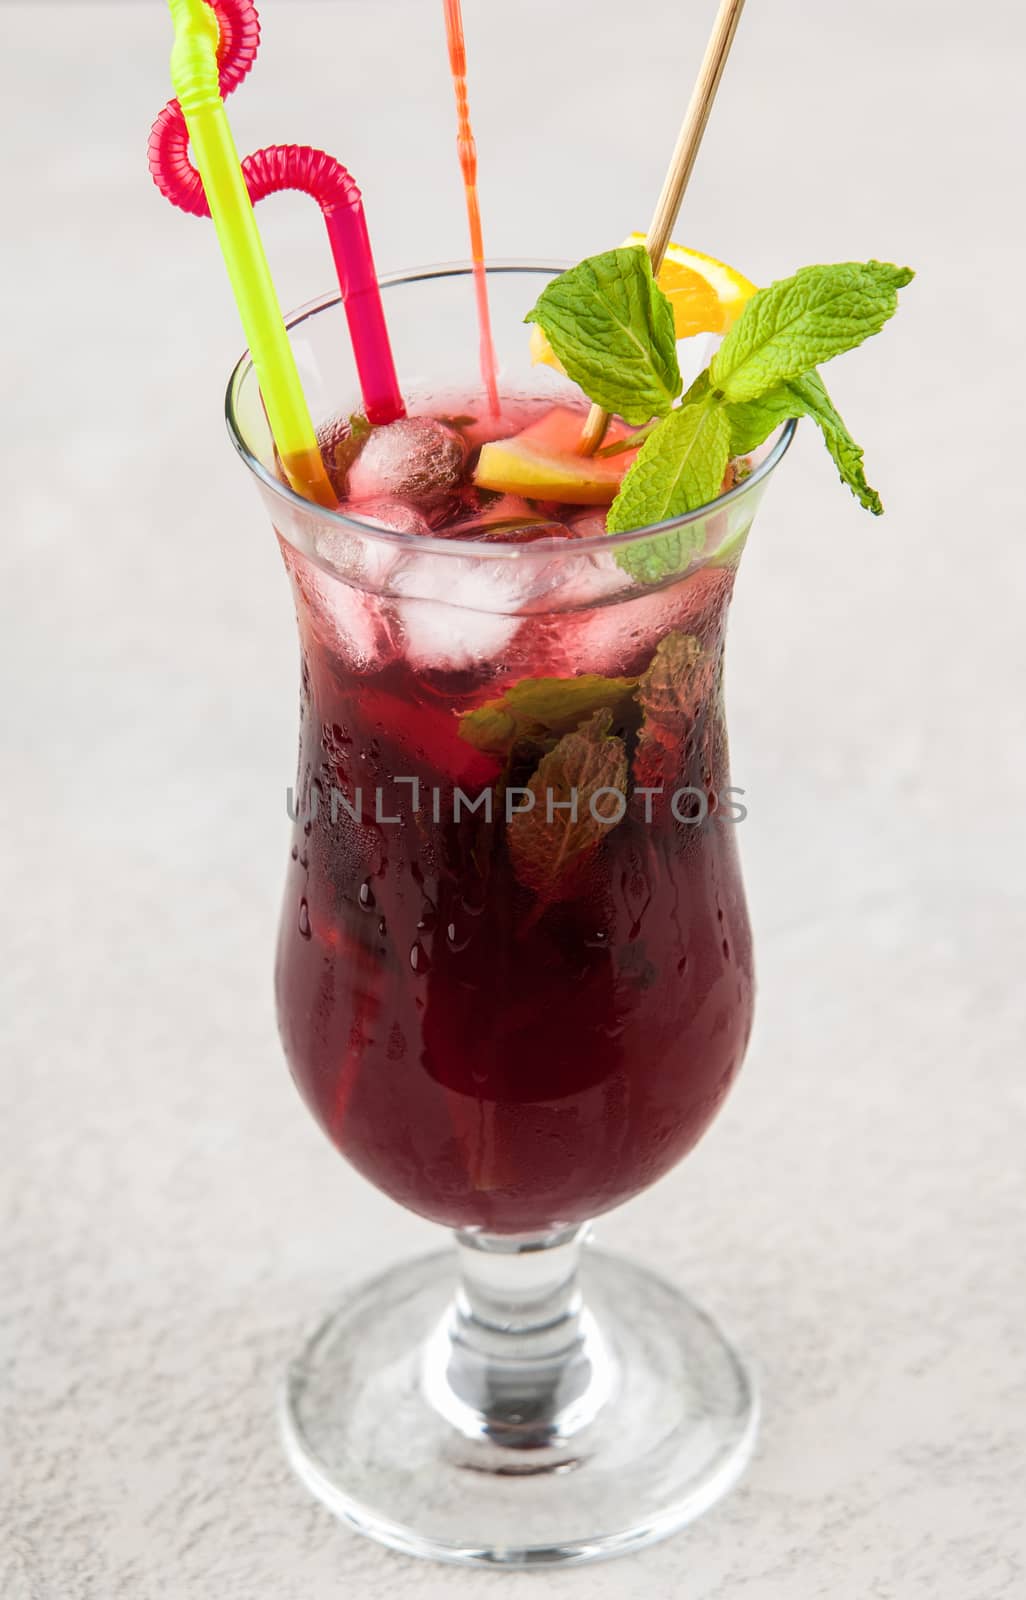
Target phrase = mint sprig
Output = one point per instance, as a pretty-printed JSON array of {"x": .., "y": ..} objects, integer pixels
[
  {"x": 673, "y": 693},
  {"x": 612, "y": 328},
  {"x": 607, "y": 310},
  {"x": 540, "y": 711},
  {"x": 551, "y": 843},
  {"x": 801, "y": 321},
  {"x": 681, "y": 464},
  {"x": 752, "y": 421}
]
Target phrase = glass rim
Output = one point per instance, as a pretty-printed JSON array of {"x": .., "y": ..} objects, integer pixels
[{"x": 456, "y": 547}]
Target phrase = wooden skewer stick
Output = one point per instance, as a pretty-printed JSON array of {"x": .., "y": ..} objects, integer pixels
[{"x": 679, "y": 171}]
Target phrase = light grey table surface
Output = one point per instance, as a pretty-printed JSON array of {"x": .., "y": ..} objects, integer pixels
[{"x": 173, "y": 1219}]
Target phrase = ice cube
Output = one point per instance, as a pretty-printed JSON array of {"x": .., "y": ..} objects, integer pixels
[
  {"x": 416, "y": 459},
  {"x": 393, "y": 514},
  {"x": 458, "y": 612},
  {"x": 619, "y": 636},
  {"x": 362, "y": 559},
  {"x": 590, "y": 524},
  {"x": 341, "y": 441},
  {"x": 350, "y": 621},
  {"x": 461, "y": 610},
  {"x": 569, "y": 593},
  {"x": 455, "y": 614}
]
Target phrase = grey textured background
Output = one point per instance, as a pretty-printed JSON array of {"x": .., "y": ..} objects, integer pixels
[{"x": 174, "y": 1221}]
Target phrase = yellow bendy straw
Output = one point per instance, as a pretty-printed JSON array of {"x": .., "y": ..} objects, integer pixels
[{"x": 194, "y": 75}]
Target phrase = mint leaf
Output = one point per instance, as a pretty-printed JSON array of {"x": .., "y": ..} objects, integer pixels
[
  {"x": 678, "y": 469},
  {"x": 673, "y": 694},
  {"x": 612, "y": 329},
  {"x": 550, "y": 844},
  {"x": 846, "y": 454},
  {"x": 541, "y": 709},
  {"x": 752, "y": 421},
  {"x": 796, "y": 323}
]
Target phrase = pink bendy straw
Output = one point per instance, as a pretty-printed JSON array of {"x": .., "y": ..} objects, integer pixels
[{"x": 291, "y": 167}]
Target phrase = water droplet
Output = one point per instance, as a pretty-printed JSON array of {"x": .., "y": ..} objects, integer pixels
[
  {"x": 382, "y": 927},
  {"x": 304, "y": 861},
  {"x": 367, "y": 900},
  {"x": 456, "y": 940},
  {"x": 295, "y": 851},
  {"x": 419, "y": 958},
  {"x": 682, "y": 965},
  {"x": 304, "y": 919},
  {"x": 726, "y": 951}
]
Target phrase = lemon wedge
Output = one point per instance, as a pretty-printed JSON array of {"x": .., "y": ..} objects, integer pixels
[{"x": 544, "y": 462}]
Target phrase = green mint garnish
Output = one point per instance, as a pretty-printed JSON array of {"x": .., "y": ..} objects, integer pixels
[
  {"x": 846, "y": 454},
  {"x": 549, "y": 844},
  {"x": 539, "y": 711},
  {"x": 763, "y": 373},
  {"x": 752, "y": 421},
  {"x": 612, "y": 328},
  {"x": 681, "y": 465},
  {"x": 799, "y": 322}
]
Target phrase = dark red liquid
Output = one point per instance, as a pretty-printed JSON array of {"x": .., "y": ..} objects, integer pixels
[{"x": 485, "y": 1058}]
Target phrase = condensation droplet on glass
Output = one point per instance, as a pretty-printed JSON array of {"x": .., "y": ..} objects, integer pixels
[
  {"x": 367, "y": 900},
  {"x": 419, "y": 959},
  {"x": 456, "y": 940},
  {"x": 304, "y": 919}
]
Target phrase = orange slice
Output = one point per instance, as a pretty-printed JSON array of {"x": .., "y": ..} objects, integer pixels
[{"x": 707, "y": 296}]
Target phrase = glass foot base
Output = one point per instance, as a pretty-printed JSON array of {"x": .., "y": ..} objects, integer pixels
[{"x": 363, "y": 1429}]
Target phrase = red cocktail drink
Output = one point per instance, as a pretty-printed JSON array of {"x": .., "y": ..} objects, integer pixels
[
  {"x": 514, "y": 973},
  {"x": 503, "y": 1018}
]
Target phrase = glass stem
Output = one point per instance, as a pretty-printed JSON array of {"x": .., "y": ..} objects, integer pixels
[{"x": 518, "y": 1359}]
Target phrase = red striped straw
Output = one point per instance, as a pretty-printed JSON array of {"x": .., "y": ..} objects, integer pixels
[{"x": 291, "y": 166}]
